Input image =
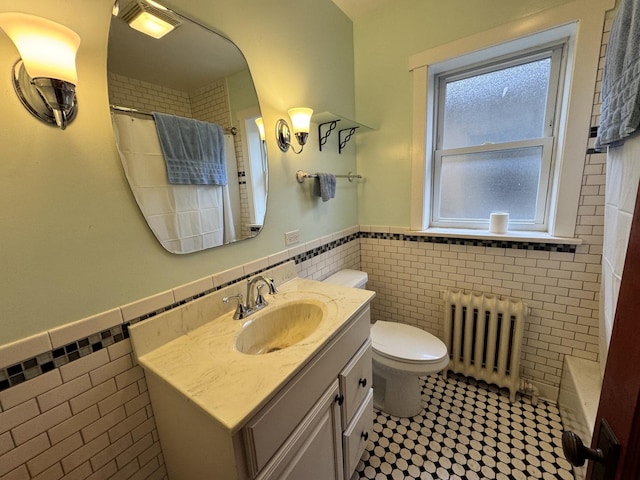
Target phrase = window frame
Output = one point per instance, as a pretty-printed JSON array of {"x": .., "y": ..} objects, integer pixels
[
  {"x": 585, "y": 17},
  {"x": 555, "y": 52}
]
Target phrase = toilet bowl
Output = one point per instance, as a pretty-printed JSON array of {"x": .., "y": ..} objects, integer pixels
[{"x": 401, "y": 355}]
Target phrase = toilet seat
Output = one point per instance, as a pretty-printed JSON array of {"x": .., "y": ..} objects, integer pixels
[{"x": 407, "y": 344}]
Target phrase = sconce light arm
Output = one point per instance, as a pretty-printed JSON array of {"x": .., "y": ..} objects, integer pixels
[{"x": 51, "y": 100}]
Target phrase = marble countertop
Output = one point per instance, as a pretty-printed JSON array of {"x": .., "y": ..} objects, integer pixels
[{"x": 201, "y": 361}]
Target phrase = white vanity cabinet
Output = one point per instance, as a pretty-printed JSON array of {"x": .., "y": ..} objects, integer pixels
[
  {"x": 314, "y": 426},
  {"x": 278, "y": 438}
]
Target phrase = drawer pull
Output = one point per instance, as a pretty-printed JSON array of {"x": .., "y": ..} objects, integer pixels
[
  {"x": 339, "y": 399},
  {"x": 364, "y": 436},
  {"x": 362, "y": 382}
]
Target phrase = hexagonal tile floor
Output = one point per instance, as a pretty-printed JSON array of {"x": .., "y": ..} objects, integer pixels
[{"x": 469, "y": 431}]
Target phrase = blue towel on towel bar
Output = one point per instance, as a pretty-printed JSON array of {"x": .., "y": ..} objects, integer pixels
[
  {"x": 193, "y": 150},
  {"x": 620, "y": 110},
  {"x": 324, "y": 186}
]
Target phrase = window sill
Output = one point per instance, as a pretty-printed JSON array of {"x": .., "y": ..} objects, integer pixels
[{"x": 510, "y": 236}]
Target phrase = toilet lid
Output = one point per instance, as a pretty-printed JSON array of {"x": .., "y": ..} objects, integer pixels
[{"x": 405, "y": 342}]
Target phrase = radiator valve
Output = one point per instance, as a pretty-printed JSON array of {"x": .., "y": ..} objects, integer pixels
[{"x": 527, "y": 388}]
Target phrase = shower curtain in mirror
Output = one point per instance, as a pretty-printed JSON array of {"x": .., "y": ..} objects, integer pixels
[{"x": 184, "y": 218}]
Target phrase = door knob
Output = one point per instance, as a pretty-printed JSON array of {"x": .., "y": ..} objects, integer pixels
[
  {"x": 605, "y": 455},
  {"x": 577, "y": 453}
]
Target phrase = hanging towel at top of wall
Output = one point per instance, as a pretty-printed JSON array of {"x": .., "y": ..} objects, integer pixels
[
  {"x": 620, "y": 111},
  {"x": 193, "y": 150}
]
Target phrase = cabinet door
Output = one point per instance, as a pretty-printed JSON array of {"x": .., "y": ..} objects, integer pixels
[{"x": 314, "y": 450}]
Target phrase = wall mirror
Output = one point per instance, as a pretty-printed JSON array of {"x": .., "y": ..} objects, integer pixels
[{"x": 195, "y": 73}]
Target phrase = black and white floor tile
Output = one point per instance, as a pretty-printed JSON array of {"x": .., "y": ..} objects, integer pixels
[{"x": 469, "y": 431}]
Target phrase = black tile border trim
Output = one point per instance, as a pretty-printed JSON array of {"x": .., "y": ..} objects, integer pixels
[
  {"x": 30, "y": 368},
  {"x": 47, "y": 361},
  {"x": 475, "y": 242}
]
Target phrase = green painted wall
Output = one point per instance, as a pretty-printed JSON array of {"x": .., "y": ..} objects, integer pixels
[
  {"x": 384, "y": 40},
  {"x": 72, "y": 241},
  {"x": 241, "y": 92}
]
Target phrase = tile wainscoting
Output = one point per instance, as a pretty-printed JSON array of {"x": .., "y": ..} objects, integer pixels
[
  {"x": 561, "y": 288},
  {"x": 74, "y": 403}
]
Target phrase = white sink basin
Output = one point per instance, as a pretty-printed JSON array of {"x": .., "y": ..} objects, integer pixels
[{"x": 279, "y": 327}]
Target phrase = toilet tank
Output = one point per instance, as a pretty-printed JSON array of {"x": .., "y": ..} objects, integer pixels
[{"x": 349, "y": 278}]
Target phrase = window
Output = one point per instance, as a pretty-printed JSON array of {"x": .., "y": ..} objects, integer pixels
[
  {"x": 494, "y": 130},
  {"x": 462, "y": 163}
]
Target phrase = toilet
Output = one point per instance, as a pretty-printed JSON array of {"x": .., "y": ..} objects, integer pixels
[{"x": 401, "y": 355}]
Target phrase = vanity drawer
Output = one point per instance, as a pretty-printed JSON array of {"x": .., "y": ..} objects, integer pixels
[
  {"x": 355, "y": 382},
  {"x": 354, "y": 439},
  {"x": 271, "y": 426}
]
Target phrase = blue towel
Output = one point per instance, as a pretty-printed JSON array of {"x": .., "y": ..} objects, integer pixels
[
  {"x": 324, "y": 186},
  {"x": 193, "y": 150},
  {"x": 620, "y": 111}
]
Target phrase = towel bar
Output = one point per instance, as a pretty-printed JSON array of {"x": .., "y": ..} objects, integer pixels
[
  {"x": 300, "y": 176},
  {"x": 119, "y": 108}
]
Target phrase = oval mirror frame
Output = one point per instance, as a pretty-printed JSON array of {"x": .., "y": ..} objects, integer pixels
[{"x": 191, "y": 72}]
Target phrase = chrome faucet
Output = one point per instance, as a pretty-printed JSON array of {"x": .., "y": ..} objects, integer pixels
[{"x": 254, "y": 301}]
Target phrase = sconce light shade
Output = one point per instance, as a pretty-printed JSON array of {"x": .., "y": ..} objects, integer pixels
[
  {"x": 300, "y": 121},
  {"x": 260, "y": 125},
  {"x": 47, "y": 49},
  {"x": 45, "y": 76}
]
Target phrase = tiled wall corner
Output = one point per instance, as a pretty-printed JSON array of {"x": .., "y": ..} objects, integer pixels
[{"x": 321, "y": 260}]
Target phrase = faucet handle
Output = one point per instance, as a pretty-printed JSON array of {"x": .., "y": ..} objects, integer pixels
[
  {"x": 241, "y": 310},
  {"x": 272, "y": 286},
  {"x": 260, "y": 300}
]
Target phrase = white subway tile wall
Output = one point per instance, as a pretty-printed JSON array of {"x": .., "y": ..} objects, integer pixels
[
  {"x": 89, "y": 419},
  {"x": 210, "y": 104},
  {"x": 560, "y": 288},
  {"x": 129, "y": 92}
]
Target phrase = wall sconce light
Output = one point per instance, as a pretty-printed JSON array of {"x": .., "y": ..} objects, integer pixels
[
  {"x": 150, "y": 18},
  {"x": 300, "y": 120},
  {"x": 45, "y": 76}
]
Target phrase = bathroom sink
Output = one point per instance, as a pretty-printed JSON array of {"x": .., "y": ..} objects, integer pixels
[{"x": 278, "y": 327}]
